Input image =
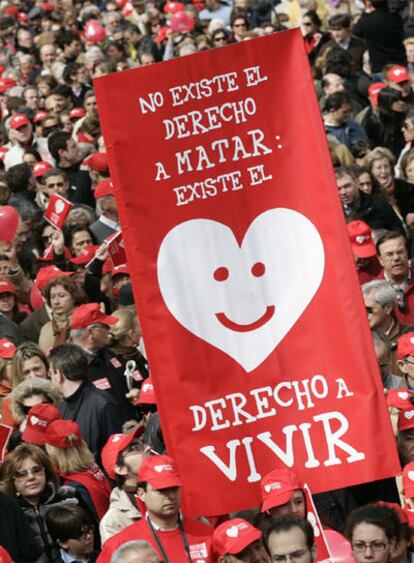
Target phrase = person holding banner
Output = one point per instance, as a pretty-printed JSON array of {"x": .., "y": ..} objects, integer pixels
[{"x": 176, "y": 538}]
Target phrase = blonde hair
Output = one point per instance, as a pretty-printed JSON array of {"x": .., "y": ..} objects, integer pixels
[
  {"x": 126, "y": 321},
  {"x": 28, "y": 388},
  {"x": 24, "y": 352},
  {"x": 71, "y": 460},
  {"x": 378, "y": 154}
]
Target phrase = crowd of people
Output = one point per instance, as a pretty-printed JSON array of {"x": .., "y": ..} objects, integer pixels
[{"x": 85, "y": 474}]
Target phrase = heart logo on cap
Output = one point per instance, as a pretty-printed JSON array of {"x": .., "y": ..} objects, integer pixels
[
  {"x": 159, "y": 468},
  {"x": 409, "y": 415},
  {"x": 267, "y": 488},
  {"x": 403, "y": 395},
  {"x": 59, "y": 206},
  {"x": 232, "y": 532},
  {"x": 7, "y": 345},
  {"x": 34, "y": 420},
  {"x": 410, "y": 475},
  {"x": 116, "y": 438},
  {"x": 412, "y": 340},
  {"x": 360, "y": 239},
  {"x": 237, "y": 299}
]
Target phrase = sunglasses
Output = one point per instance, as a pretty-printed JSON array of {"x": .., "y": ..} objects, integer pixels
[
  {"x": 219, "y": 39},
  {"x": 24, "y": 473}
]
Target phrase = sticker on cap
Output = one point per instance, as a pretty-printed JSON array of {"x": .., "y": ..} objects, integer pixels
[
  {"x": 271, "y": 486},
  {"x": 116, "y": 438},
  {"x": 410, "y": 475},
  {"x": 409, "y": 415},
  {"x": 161, "y": 468},
  {"x": 403, "y": 395},
  {"x": 360, "y": 239}
]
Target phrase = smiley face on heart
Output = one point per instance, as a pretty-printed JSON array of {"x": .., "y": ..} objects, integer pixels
[{"x": 241, "y": 298}]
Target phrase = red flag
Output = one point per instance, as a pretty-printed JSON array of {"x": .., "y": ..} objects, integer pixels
[
  {"x": 5, "y": 433},
  {"x": 236, "y": 241},
  {"x": 116, "y": 249},
  {"x": 57, "y": 210}
]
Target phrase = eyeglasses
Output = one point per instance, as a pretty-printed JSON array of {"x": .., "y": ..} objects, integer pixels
[
  {"x": 290, "y": 557},
  {"x": 21, "y": 474},
  {"x": 408, "y": 362},
  {"x": 307, "y": 24},
  {"x": 376, "y": 546},
  {"x": 56, "y": 185},
  {"x": 217, "y": 39},
  {"x": 85, "y": 535}
]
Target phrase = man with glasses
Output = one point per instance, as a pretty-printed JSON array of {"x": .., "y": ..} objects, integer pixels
[
  {"x": 408, "y": 132},
  {"x": 393, "y": 256},
  {"x": 290, "y": 539}
]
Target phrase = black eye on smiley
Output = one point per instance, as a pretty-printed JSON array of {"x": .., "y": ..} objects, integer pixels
[{"x": 258, "y": 270}]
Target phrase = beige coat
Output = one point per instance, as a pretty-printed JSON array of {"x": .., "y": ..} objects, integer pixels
[{"x": 120, "y": 514}]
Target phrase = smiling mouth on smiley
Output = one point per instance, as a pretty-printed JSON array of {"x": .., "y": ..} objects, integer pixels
[{"x": 228, "y": 323}]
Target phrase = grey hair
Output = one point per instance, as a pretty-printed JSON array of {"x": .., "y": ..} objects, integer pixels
[
  {"x": 127, "y": 548},
  {"x": 385, "y": 294},
  {"x": 28, "y": 388},
  {"x": 77, "y": 333}
]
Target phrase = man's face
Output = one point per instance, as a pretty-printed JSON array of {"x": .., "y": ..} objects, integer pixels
[
  {"x": 409, "y": 50},
  {"x": 133, "y": 456},
  {"x": 162, "y": 502},
  {"x": 370, "y": 544},
  {"x": 47, "y": 54},
  {"x": 406, "y": 446},
  {"x": 59, "y": 103},
  {"x": 408, "y": 129},
  {"x": 25, "y": 39},
  {"x": 393, "y": 258},
  {"x": 32, "y": 98},
  {"x": 378, "y": 316},
  {"x": 254, "y": 553},
  {"x": 341, "y": 114},
  {"x": 336, "y": 84},
  {"x": 91, "y": 106},
  {"x": 73, "y": 49},
  {"x": 79, "y": 241},
  {"x": 23, "y": 134},
  {"x": 72, "y": 153},
  {"x": 290, "y": 545},
  {"x": 348, "y": 189},
  {"x": 56, "y": 185},
  {"x": 340, "y": 34}
]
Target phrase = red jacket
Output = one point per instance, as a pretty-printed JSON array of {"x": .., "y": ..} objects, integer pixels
[
  {"x": 198, "y": 537},
  {"x": 407, "y": 315},
  {"x": 97, "y": 486}
]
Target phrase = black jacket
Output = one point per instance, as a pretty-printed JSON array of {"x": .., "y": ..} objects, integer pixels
[
  {"x": 376, "y": 212},
  {"x": 16, "y": 535},
  {"x": 96, "y": 413}
]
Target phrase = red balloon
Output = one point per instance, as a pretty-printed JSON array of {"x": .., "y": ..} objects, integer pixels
[
  {"x": 9, "y": 221},
  {"x": 340, "y": 547},
  {"x": 94, "y": 32},
  {"x": 181, "y": 22}
]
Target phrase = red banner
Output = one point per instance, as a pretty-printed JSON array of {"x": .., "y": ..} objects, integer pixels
[
  {"x": 244, "y": 279},
  {"x": 57, "y": 210},
  {"x": 116, "y": 248}
]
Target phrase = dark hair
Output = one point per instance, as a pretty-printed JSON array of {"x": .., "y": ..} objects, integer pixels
[
  {"x": 33, "y": 152},
  {"x": 383, "y": 517},
  {"x": 286, "y": 523},
  {"x": 68, "y": 284},
  {"x": 153, "y": 434},
  {"x": 339, "y": 61},
  {"x": 72, "y": 230},
  {"x": 63, "y": 90},
  {"x": 345, "y": 171},
  {"x": 313, "y": 16},
  {"x": 361, "y": 148},
  {"x": 69, "y": 70},
  {"x": 390, "y": 235},
  {"x": 387, "y": 96},
  {"x": 58, "y": 142},
  {"x": 336, "y": 100},
  {"x": 18, "y": 177},
  {"x": 67, "y": 521},
  {"x": 54, "y": 172},
  {"x": 67, "y": 38},
  {"x": 71, "y": 361},
  {"x": 339, "y": 21}
]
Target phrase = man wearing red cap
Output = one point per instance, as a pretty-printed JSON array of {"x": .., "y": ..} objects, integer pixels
[
  {"x": 108, "y": 223},
  {"x": 397, "y": 77},
  {"x": 405, "y": 435},
  {"x": 237, "y": 541},
  {"x": 174, "y": 537},
  {"x": 21, "y": 131}
]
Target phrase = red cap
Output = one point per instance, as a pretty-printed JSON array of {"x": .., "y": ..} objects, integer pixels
[
  {"x": 97, "y": 161},
  {"x": 405, "y": 345},
  {"x": 6, "y": 83},
  {"x": 7, "y": 349},
  {"x": 47, "y": 6},
  {"x": 103, "y": 188},
  {"x": 121, "y": 269},
  {"x": 40, "y": 168},
  {"x": 38, "y": 419},
  {"x": 7, "y": 287},
  {"x": 277, "y": 488},
  {"x": 87, "y": 254},
  {"x": 89, "y": 314},
  {"x": 63, "y": 434},
  {"x": 361, "y": 239},
  {"x": 45, "y": 275},
  {"x": 400, "y": 398},
  {"x": 373, "y": 92},
  {"x": 160, "y": 472},
  {"x": 233, "y": 536},
  {"x": 115, "y": 445},
  {"x": 77, "y": 113},
  {"x": 147, "y": 394},
  {"x": 10, "y": 11},
  {"x": 406, "y": 419},
  {"x": 40, "y": 115},
  {"x": 22, "y": 17},
  {"x": 19, "y": 120},
  {"x": 173, "y": 7},
  {"x": 398, "y": 74},
  {"x": 162, "y": 34},
  {"x": 408, "y": 480}
]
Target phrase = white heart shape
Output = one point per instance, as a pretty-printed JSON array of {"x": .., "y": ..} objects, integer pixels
[
  {"x": 267, "y": 488},
  {"x": 360, "y": 239},
  {"x": 403, "y": 395},
  {"x": 59, "y": 206},
  {"x": 232, "y": 532},
  {"x": 409, "y": 415},
  {"x": 249, "y": 313},
  {"x": 34, "y": 420},
  {"x": 159, "y": 468},
  {"x": 410, "y": 475},
  {"x": 116, "y": 438},
  {"x": 412, "y": 340}
]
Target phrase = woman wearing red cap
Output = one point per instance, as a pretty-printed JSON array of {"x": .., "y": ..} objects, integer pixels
[{"x": 76, "y": 465}]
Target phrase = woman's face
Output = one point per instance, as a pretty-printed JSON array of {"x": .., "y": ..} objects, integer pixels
[
  {"x": 7, "y": 301},
  {"x": 33, "y": 400},
  {"x": 365, "y": 183},
  {"x": 409, "y": 172},
  {"x": 34, "y": 367},
  {"x": 30, "y": 480},
  {"x": 370, "y": 544},
  {"x": 47, "y": 234},
  {"x": 79, "y": 241},
  {"x": 381, "y": 170},
  {"x": 399, "y": 106},
  {"x": 61, "y": 301},
  {"x": 295, "y": 507}
]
